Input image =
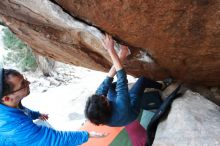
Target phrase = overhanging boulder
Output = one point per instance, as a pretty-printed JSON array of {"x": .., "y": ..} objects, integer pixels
[{"x": 167, "y": 38}]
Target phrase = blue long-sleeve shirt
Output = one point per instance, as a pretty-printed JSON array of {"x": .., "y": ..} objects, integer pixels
[
  {"x": 18, "y": 129},
  {"x": 119, "y": 98},
  {"x": 30, "y": 113}
]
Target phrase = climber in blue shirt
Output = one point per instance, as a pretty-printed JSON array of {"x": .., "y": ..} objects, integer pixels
[
  {"x": 16, "y": 121},
  {"x": 114, "y": 104}
]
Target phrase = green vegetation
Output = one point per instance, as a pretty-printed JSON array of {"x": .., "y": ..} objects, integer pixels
[
  {"x": 1, "y": 23},
  {"x": 18, "y": 52}
]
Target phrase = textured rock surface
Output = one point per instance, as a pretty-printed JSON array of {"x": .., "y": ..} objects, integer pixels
[
  {"x": 52, "y": 32},
  {"x": 192, "y": 121},
  {"x": 182, "y": 37}
]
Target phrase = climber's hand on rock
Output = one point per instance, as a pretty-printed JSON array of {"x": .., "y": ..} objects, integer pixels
[{"x": 108, "y": 43}]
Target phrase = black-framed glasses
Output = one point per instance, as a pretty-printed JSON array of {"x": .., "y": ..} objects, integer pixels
[{"x": 24, "y": 84}]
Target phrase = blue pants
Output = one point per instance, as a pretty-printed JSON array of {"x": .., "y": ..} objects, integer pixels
[{"x": 136, "y": 92}]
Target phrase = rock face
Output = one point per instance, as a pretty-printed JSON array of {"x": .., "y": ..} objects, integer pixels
[
  {"x": 166, "y": 38},
  {"x": 192, "y": 121}
]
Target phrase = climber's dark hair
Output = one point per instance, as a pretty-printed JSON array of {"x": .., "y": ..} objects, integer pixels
[{"x": 98, "y": 109}]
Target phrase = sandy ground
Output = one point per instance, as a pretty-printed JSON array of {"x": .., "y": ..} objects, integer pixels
[{"x": 65, "y": 104}]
